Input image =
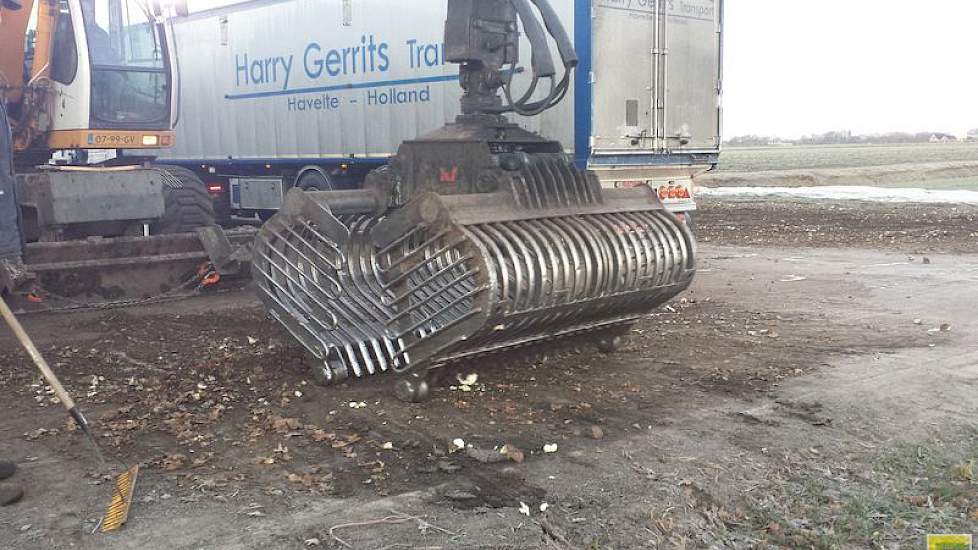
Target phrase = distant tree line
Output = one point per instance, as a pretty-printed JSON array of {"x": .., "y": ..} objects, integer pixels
[{"x": 846, "y": 137}]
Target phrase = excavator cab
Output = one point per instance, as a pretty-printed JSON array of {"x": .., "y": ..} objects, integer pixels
[
  {"x": 98, "y": 75},
  {"x": 131, "y": 78}
]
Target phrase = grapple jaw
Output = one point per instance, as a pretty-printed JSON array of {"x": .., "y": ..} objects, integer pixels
[{"x": 508, "y": 249}]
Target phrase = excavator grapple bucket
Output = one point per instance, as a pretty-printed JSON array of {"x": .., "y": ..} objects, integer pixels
[
  {"x": 447, "y": 277},
  {"x": 479, "y": 237}
]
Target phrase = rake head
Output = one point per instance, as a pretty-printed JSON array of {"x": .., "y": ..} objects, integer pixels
[{"x": 118, "y": 510}]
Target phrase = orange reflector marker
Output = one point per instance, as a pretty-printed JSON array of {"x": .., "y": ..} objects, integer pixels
[
  {"x": 215, "y": 187},
  {"x": 674, "y": 192},
  {"x": 208, "y": 275},
  {"x": 211, "y": 279}
]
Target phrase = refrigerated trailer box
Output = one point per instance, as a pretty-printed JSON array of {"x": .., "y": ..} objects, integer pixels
[{"x": 315, "y": 93}]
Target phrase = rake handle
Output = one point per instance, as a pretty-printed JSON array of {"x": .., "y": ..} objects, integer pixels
[
  {"x": 42, "y": 365},
  {"x": 120, "y": 501}
]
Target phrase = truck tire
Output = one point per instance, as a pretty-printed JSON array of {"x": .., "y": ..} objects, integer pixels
[
  {"x": 188, "y": 205},
  {"x": 314, "y": 180}
]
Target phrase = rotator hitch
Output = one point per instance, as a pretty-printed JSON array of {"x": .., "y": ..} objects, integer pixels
[{"x": 477, "y": 238}]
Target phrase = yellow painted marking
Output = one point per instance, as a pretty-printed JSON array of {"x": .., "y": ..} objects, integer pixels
[{"x": 949, "y": 542}]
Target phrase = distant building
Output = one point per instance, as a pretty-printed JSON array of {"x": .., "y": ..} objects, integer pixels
[
  {"x": 972, "y": 135},
  {"x": 942, "y": 138}
]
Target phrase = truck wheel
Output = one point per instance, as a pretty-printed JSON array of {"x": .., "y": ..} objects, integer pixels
[
  {"x": 188, "y": 205},
  {"x": 314, "y": 180}
]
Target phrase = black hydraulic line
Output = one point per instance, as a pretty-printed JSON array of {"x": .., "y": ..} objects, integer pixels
[
  {"x": 567, "y": 52},
  {"x": 540, "y": 58},
  {"x": 540, "y": 45}
]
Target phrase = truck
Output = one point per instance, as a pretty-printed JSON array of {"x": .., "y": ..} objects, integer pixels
[{"x": 313, "y": 94}]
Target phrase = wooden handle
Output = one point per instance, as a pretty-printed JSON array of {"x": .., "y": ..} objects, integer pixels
[{"x": 42, "y": 365}]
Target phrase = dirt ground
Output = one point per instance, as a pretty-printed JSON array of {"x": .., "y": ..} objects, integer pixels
[
  {"x": 816, "y": 388},
  {"x": 908, "y": 228}
]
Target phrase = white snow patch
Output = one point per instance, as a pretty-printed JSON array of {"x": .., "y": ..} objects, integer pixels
[{"x": 847, "y": 192}]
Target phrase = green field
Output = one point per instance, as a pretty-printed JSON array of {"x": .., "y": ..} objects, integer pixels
[
  {"x": 754, "y": 159},
  {"x": 834, "y": 157}
]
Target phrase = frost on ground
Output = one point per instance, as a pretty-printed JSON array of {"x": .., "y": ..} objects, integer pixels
[{"x": 845, "y": 193}]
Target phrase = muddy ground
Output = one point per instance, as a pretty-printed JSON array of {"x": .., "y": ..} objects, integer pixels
[{"x": 816, "y": 388}]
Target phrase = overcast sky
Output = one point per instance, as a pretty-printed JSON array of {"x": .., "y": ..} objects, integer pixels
[{"x": 803, "y": 66}]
